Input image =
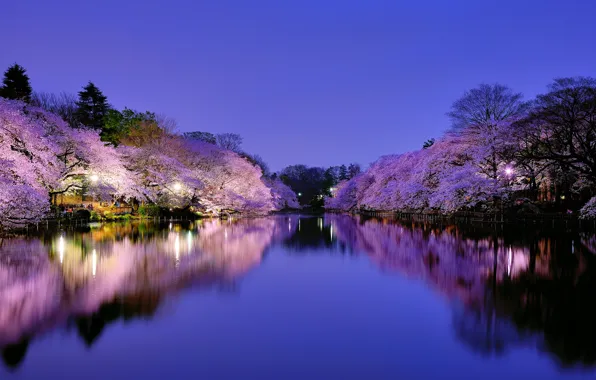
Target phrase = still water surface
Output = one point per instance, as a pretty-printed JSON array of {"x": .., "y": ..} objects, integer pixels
[{"x": 297, "y": 297}]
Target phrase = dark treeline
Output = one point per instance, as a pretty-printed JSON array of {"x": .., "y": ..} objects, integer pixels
[{"x": 312, "y": 184}]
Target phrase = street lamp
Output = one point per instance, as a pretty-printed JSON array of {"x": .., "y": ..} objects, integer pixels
[
  {"x": 94, "y": 178},
  {"x": 177, "y": 186}
]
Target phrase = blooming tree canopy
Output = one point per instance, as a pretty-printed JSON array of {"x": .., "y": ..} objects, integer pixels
[{"x": 42, "y": 156}]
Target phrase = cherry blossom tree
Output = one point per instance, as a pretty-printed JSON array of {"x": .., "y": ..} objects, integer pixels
[
  {"x": 230, "y": 182},
  {"x": 43, "y": 156},
  {"x": 444, "y": 176},
  {"x": 28, "y": 166},
  {"x": 283, "y": 196},
  {"x": 589, "y": 210},
  {"x": 483, "y": 116}
]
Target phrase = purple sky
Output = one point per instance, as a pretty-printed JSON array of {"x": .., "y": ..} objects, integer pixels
[{"x": 304, "y": 81}]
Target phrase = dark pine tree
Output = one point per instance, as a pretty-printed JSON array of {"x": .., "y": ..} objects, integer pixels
[
  {"x": 343, "y": 172},
  {"x": 428, "y": 143},
  {"x": 92, "y": 107},
  {"x": 353, "y": 170},
  {"x": 16, "y": 84}
]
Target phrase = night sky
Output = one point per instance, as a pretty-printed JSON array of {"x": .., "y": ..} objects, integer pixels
[{"x": 309, "y": 81}]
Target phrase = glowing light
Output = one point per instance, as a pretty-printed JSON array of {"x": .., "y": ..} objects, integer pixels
[
  {"x": 226, "y": 233},
  {"x": 508, "y": 171},
  {"x": 61, "y": 249},
  {"x": 331, "y": 189},
  {"x": 189, "y": 241},
  {"x": 331, "y": 231},
  {"x": 299, "y": 194},
  {"x": 177, "y": 186},
  {"x": 509, "y": 261},
  {"x": 177, "y": 247},
  {"x": 94, "y": 263},
  {"x": 94, "y": 178},
  {"x": 170, "y": 226}
]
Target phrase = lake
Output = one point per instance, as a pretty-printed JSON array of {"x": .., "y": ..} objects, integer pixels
[{"x": 298, "y": 297}]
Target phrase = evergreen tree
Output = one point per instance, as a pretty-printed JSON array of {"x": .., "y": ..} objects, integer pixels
[
  {"x": 428, "y": 143},
  {"x": 117, "y": 125},
  {"x": 343, "y": 173},
  {"x": 353, "y": 170},
  {"x": 16, "y": 84},
  {"x": 92, "y": 107},
  {"x": 329, "y": 181}
]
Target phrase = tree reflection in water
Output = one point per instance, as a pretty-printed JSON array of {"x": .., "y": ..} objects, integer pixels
[{"x": 515, "y": 288}]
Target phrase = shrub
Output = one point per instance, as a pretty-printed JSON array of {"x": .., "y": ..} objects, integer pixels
[
  {"x": 148, "y": 210},
  {"x": 95, "y": 216}
]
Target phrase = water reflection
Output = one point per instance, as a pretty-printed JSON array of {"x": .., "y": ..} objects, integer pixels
[{"x": 507, "y": 290}]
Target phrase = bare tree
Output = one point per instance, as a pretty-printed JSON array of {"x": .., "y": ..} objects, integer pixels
[
  {"x": 485, "y": 106},
  {"x": 167, "y": 123},
  {"x": 260, "y": 162},
  {"x": 62, "y": 104},
  {"x": 483, "y": 116},
  {"x": 560, "y": 131},
  {"x": 202, "y": 136},
  {"x": 229, "y": 141}
]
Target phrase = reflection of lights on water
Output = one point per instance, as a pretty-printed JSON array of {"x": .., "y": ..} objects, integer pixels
[
  {"x": 94, "y": 262},
  {"x": 189, "y": 241},
  {"x": 298, "y": 225},
  {"x": 320, "y": 222},
  {"x": 177, "y": 247},
  {"x": 572, "y": 247},
  {"x": 225, "y": 233},
  {"x": 331, "y": 231},
  {"x": 509, "y": 261},
  {"x": 170, "y": 226},
  {"x": 290, "y": 226},
  {"x": 61, "y": 249}
]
